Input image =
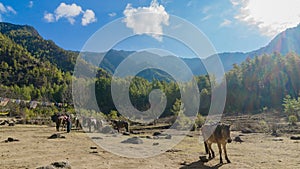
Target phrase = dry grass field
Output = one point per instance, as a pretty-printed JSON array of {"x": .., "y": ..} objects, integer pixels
[{"x": 34, "y": 149}]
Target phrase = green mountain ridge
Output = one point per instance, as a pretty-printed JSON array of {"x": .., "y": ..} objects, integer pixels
[
  {"x": 34, "y": 68},
  {"x": 45, "y": 50},
  {"x": 24, "y": 76}
]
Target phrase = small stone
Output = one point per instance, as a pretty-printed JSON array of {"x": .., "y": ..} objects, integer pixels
[
  {"x": 183, "y": 163},
  {"x": 126, "y": 134},
  {"x": 277, "y": 139},
  {"x": 156, "y": 133},
  {"x": 155, "y": 144},
  {"x": 168, "y": 136}
]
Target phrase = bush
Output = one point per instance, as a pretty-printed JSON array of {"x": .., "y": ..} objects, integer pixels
[
  {"x": 113, "y": 115},
  {"x": 264, "y": 127},
  {"x": 200, "y": 120},
  {"x": 293, "y": 119},
  {"x": 183, "y": 122}
]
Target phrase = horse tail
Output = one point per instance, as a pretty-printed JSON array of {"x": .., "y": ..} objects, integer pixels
[
  {"x": 206, "y": 147},
  {"x": 127, "y": 126}
]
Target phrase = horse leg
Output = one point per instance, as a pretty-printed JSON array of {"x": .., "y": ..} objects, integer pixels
[
  {"x": 211, "y": 153},
  {"x": 57, "y": 126},
  {"x": 225, "y": 151},
  {"x": 63, "y": 126},
  {"x": 127, "y": 128},
  {"x": 220, "y": 151},
  {"x": 90, "y": 128}
]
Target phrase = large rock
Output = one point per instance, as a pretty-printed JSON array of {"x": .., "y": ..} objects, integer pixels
[
  {"x": 10, "y": 139},
  {"x": 157, "y": 133},
  {"x": 238, "y": 139},
  {"x": 295, "y": 137},
  {"x": 107, "y": 130},
  {"x": 57, "y": 165},
  {"x": 57, "y": 135},
  {"x": 247, "y": 130},
  {"x": 133, "y": 140}
]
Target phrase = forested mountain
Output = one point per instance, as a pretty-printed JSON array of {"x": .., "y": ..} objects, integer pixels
[
  {"x": 283, "y": 43},
  {"x": 36, "y": 69},
  {"x": 262, "y": 83},
  {"x": 25, "y": 75},
  {"x": 45, "y": 50},
  {"x": 33, "y": 68}
]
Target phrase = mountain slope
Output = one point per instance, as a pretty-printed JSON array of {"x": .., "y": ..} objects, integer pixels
[
  {"x": 285, "y": 42},
  {"x": 46, "y": 50}
]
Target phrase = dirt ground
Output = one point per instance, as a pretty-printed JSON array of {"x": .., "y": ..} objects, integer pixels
[{"x": 34, "y": 150}]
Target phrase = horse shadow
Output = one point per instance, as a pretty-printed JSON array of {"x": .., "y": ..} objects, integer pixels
[{"x": 200, "y": 165}]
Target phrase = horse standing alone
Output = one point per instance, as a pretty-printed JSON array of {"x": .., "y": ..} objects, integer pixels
[
  {"x": 217, "y": 133},
  {"x": 60, "y": 120},
  {"x": 118, "y": 124}
]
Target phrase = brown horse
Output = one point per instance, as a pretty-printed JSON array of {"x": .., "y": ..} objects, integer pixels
[
  {"x": 60, "y": 120},
  {"x": 118, "y": 124},
  {"x": 217, "y": 133}
]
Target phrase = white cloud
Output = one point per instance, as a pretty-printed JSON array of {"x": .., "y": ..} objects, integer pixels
[
  {"x": 88, "y": 17},
  {"x": 206, "y": 9},
  {"x": 10, "y": 9},
  {"x": 6, "y": 10},
  {"x": 49, "y": 17},
  {"x": 147, "y": 20},
  {"x": 112, "y": 14},
  {"x": 2, "y": 8},
  {"x": 70, "y": 12},
  {"x": 166, "y": 1},
  {"x": 226, "y": 22},
  {"x": 30, "y": 5},
  {"x": 189, "y": 4},
  {"x": 235, "y": 2},
  {"x": 206, "y": 18},
  {"x": 67, "y": 11},
  {"x": 269, "y": 16}
]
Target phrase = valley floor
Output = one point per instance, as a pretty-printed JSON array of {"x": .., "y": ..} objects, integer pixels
[{"x": 34, "y": 150}]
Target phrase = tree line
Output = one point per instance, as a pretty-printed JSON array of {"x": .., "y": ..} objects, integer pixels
[{"x": 255, "y": 85}]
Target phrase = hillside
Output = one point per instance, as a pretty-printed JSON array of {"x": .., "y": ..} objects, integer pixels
[
  {"x": 284, "y": 43},
  {"x": 45, "y": 50},
  {"x": 24, "y": 76},
  {"x": 35, "y": 68}
]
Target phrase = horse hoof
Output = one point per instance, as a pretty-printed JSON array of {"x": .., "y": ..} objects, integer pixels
[{"x": 228, "y": 161}]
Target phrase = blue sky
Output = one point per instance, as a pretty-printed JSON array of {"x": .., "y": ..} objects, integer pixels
[{"x": 230, "y": 25}]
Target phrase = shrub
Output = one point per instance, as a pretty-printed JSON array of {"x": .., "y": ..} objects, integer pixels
[
  {"x": 113, "y": 115},
  {"x": 200, "y": 120},
  {"x": 183, "y": 122},
  {"x": 264, "y": 127},
  {"x": 293, "y": 119}
]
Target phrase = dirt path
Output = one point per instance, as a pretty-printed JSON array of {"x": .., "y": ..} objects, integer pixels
[{"x": 35, "y": 150}]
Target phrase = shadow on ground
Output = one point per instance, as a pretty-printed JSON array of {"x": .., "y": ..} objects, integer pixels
[{"x": 200, "y": 165}]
